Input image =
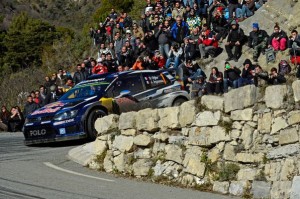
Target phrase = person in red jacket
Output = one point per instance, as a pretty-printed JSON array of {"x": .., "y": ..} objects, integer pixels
[
  {"x": 138, "y": 65},
  {"x": 206, "y": 43},
  {"x": 160, "y": 60},
  {"x": 99, "y": 69}
]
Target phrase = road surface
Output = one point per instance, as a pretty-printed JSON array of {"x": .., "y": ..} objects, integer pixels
[{"x": 45, "y": 172}]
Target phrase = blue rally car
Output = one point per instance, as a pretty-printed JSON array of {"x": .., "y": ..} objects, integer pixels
[{"x": 73, "y": 116}]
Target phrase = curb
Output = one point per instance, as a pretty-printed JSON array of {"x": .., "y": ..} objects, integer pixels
[{"x": 82, "y": 154}]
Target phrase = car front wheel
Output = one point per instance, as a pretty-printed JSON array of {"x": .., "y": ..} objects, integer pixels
[
  {"x": 93, "y": 116},
  {"x": 179, "y": 101}
]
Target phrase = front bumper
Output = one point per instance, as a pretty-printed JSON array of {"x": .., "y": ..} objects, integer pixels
[{"x": 55, "y": 139}]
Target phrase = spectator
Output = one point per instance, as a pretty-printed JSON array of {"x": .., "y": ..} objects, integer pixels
[
  {"x": 47, "y": 83},
  {"x": 189, "y": 71},
  {"x": 138, "y": 31},
  {"x": 219, "y": 24},
  {"x": 79, "y": 75},
  {"x": 130, "y": 38},
  {"x": 30, "y": 106},
  {"x": 275, "y": 78},
  {"x": 257, "y": 40},
  {"x": 234, "y": 40},
  {"x": 174, "y": 56},
  {"x": 36, "y": 98},
  {"x": 284, "y": 68},
  {"x": 42, "y": 95},
  {"x": 198, "y": 87},
  {"x": 232, "y": 77},
  {"x": 207, "y": 44},
  {"x": 215, "y": 82},
  {"x": 110, "y": 63},
  {"x": 100, "y": 68},
  {"x": 125, "y": 58},
  {"x": 149, "y": 63},
  {"x": 119, "y": 42},
  {"x": 179, "y": 30},
  {"x": 160, "y": 60},
  {"x": 138, "y": 65},
  {"x": 178, "y": 10},
  {"x": 248, "y": 73},
  {"x": 193, "y": 20},
  {"x": 16, "y": 119},
  {"x": 294, "y": 43},
  {"x": 51, "y": 96},
  {"x": 247, "y": 10},
  {"x": 120, "y": 68},
  {"x": 278, "y": 40},
  {"x": 163, "y": 34},
  {"x": 261, "y": 77},
  {"x": 113, "y": 14},
  {"x": 150, "y": 41},
  {"x": 4, "y": 118},
  {"x": 232, "y": 6},
  {"x": 61, "y": 78},
  {"x": 189, "y": 49}
]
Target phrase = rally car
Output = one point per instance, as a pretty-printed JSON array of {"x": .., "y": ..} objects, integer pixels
[{"x": 73, "y": 116}]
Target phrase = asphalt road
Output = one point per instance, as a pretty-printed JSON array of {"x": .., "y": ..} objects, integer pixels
[{"x": 45, "y": 172}]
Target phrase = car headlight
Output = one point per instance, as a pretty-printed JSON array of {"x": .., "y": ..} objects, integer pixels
[{"x": 65, "y": 115}]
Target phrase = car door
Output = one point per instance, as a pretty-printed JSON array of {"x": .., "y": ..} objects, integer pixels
[{"x": 132, "y": 85}]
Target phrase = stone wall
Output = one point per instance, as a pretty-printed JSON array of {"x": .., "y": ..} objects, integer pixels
[{"x": 245, "y": 143}]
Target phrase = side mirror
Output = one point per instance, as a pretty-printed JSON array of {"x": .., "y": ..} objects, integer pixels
[{"x": 124, "y": 93}]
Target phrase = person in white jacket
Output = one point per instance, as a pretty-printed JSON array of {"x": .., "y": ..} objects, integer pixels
[{"x": 174, "y": 56}]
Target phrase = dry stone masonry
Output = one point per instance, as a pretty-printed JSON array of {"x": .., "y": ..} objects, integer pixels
[{"x": 244, "y": 144}]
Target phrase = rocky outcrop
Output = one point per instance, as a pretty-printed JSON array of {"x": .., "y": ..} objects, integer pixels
[{"x": 239, "y": 144}]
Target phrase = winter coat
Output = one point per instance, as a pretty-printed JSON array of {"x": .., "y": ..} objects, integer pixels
[
  {"x": 257, "y": 37},
  {"x": 30, "y": 108}
]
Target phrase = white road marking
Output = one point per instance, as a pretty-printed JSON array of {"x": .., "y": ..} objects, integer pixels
[{"x": 48, "y": 164}]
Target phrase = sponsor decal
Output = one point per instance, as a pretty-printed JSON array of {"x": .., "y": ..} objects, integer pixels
[
  {"x": 46, "y": 110},
  {"x": 37, "y": 132},
  {"x": 63, "y": 122}
]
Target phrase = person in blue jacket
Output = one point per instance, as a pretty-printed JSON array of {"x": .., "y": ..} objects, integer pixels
[{"x": 179, "y": 30}]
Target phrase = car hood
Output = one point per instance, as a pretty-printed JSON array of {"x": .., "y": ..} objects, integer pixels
[{"x": 53, "y": 108}]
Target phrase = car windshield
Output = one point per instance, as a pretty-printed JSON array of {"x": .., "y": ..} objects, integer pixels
[{"x": 85, "y": 90}]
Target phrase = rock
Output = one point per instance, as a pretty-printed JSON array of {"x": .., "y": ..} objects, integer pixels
[
  {"x": 295, "y": 193},
  {"x": 221, "y": 187},
  {"x": 187, "y": 113},
  {"x": 288, "y": 136},
  {"x": 123, "y": 143},
  {"x": 185, "y": 131},
  {"x": 279, "y": 123},
  {"x": 229, "y": 152},
  {"x": 158, "y": 169},
  {"x": 288, "y": 170},
  {"x": 99, "y": 146},
  {"x": 142, "y": 140},
  {"x": 294, "y": 117},
  {"x": 264, "y": 123},
  {"x": 249, "y": 157},
  {"x": 107, "y": 163},
  {"x": 141, "y": 167},
  {"x": 284, "y": 151},
  {"x": 174, "y": 153},
  {"x": 240, "y": 98},
  {"x": 107, "y": 124},
  {"x": 237, "y": 125},
  {"x": 272, "y": 171},
  {"x": 207, "y": 118},
  {"x": 261, "y": 189},
  {"x": 143, "y": 153},
  {"x": 218, "y": 134},
  {"x": 246, "y": 174},
  {"x": 179, "y": 140},
  {"x": 281, "y": 189},
  {"x": 172, "y": 169},
  {"x": 192, "y": 161},
  {"x": 119, "y": 162},
  {"x": 237, "y": 188},
  {"x": 147, "y": 120},
  {"x": 187, "y": 180},
  {"x": 169, "y": 118},
  {"x": 274, "y": 96},
  {"x": 128, "y": 132},
  {"x": 103, "y": 137},
  {"x": 214, "y": 154},
  {"x": 199, "y": 136},
  {"x": 242, "y": 115},
  {"x": 213, "y": 102},
  {"x": 247, "y": 136},
  {"x": 127, "y": 120},
  {"x": 161, "y": 136},
  {"x": 296, "y": 90},
  {"x": 235, "y": 134},
  {"x": 158, "y": 148}
]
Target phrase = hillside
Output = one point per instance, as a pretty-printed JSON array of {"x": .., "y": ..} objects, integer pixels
[{"x": 68, "y": 13}]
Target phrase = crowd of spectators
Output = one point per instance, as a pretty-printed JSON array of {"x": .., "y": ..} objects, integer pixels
[{"x": 173, "y": 34}]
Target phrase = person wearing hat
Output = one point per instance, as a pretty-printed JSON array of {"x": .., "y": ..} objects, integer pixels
[
  {"x": 198, "y": 88},
  {"x": 257, "y": 40},
  {"x": 219, "y": 24},
  {"x": 234, "y": 40},
  {"x": 248, "y": 73},
  {"x": 232, "y": 77}
]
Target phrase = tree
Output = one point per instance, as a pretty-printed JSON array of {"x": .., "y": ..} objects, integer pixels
[{"x": 25, "y": 40}]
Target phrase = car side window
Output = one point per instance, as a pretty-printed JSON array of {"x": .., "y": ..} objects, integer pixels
[
  {"x": 133, "y": 83},
  {"x": 153, "y": 80}
]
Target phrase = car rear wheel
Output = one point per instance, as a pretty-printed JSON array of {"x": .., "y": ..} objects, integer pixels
[
  {"x": 179, "y": 101},
  {"x": 93, "y": 116}
]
